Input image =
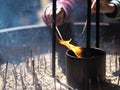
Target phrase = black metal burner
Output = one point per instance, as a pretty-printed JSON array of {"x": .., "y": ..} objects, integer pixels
[{"x": 76, "y": 68}]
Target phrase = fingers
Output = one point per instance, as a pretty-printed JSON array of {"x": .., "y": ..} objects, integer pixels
[
  {"x": 60, "y": 15},
  {"x": 48, "y": 15}
]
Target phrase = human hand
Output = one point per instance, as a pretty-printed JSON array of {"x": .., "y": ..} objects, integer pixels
[
  {"x": 60, "y": 15},
  {"x": 105, "y": 6}
]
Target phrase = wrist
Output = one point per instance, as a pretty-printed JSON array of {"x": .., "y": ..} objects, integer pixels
[
  {"x": 111, "y": 8},
  {"x": 112, "y": 11}
]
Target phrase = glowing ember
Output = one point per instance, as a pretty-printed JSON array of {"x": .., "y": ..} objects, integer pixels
[{"x": 76, "y": 49}]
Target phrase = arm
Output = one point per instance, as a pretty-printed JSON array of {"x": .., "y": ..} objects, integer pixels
[
  {"x": 63, "y": 12},
  {"x": 116, "y": 12},
  {"x": 110, "y": 8}
]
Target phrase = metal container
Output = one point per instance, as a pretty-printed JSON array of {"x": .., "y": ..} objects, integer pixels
[{"x": 76, "y": 67}]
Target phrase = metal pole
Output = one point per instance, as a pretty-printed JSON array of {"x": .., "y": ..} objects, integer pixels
[
  {"x": 88, "y": 36},
  {"x": 88, "y": 40},
  {"x": 97, "y": 23},
  {"x": 53, "y": 38}
]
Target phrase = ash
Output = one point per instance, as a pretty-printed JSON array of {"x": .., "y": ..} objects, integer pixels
[{"x": 35, "y": 73}]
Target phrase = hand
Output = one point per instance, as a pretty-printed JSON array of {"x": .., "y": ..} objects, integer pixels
[
  {"x": 60, "y": 15},
  {"x": 105, "y": 6}
]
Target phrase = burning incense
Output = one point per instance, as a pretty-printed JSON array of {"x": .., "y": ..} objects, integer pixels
[
  {"x": 58, "y": 31},
  {"x": 85, "y": 25},
  {"x": 33, "y": 72},
  {"x": 84, "y": 28},
  {"x": 15, "y": 76},
  {"x": 22, "y": 81},
  {"x": 5, "y": 81},
  {"x": 45, "y": 65},
  {"x": 93, "y": 3},
  {"x": 76, "y": 49}
]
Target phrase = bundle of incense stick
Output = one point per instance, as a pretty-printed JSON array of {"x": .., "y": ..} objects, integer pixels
[
  {"x": 58, "y": 31},
  {"x": 84, "y": 28}
]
